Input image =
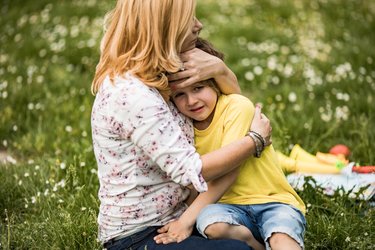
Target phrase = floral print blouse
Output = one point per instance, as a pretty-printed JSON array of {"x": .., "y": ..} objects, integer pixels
[{"x": 143, "y": 148}]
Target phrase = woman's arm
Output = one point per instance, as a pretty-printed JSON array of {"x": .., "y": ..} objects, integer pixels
[
  {"x": 200, "y": 66},
  {"x": 227, "y": 158},
  {"x": 151, "y": 127}
]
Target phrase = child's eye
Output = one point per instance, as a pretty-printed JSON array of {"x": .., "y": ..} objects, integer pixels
[
  {"x": 197, "y": 88},
  {"x": 177, "y": 95}
]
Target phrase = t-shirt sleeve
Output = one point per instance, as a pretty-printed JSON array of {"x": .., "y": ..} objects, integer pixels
[
  {"x": 238, "y": 118},
  {"x": 150, "y": 125}
]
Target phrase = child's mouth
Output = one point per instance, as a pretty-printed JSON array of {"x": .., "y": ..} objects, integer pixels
[{"x": 197, "y": 109}]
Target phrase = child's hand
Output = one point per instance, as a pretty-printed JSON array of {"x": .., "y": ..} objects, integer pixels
[{"x": 174, "y": 231}]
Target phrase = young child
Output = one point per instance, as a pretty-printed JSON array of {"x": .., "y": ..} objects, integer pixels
[{"x": 259, "y": 205}]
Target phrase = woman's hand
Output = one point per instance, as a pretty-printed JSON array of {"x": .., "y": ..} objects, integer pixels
[
  {"x": 262, "y": 125},
  {"x": 174, "y": 231},
  {"x": 199, "y": 66}
]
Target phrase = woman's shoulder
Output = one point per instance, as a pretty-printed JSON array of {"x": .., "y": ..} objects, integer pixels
[
  {"x": 128, "y": 83},
  {"x": 124, "y": 97},
  {"x": 129, "y": 88}
]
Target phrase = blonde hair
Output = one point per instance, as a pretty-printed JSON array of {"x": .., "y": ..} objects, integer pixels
[{"x": 144, "y": 37}]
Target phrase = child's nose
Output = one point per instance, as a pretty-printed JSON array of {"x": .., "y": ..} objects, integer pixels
[{"x": 191, "y": 100}]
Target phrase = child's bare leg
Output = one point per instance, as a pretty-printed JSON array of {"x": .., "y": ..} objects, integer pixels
[
  {"x": 281, "y": 241},
  {"x": 222, "y": 230}
]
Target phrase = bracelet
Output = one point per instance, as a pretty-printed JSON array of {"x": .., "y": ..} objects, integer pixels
[
  {"x": 259, "y": 137},
  {"x": 258, "y": 144}
]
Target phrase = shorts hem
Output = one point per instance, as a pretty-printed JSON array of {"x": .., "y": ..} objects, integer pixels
[
  {"x": 286, "y": 231},
  {"x": 214, "y": 220}
]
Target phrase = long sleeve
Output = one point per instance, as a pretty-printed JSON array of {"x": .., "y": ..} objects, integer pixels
[{"x": 144, "y": 158}]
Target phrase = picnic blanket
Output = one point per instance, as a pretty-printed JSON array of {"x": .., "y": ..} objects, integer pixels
[{"x": 348, "y": 182}]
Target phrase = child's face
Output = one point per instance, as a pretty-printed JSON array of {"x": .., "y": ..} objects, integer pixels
[{"x": 196, "y": 101}]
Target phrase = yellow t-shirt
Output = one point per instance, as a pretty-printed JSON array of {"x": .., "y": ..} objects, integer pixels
[{"x": 260, "y": 180}]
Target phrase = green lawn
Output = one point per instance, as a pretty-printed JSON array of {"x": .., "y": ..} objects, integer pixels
[{"x": 310, "y": 63}]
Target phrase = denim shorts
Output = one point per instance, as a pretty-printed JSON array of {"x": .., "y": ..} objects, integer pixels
[{"x": 261, "y": 219}]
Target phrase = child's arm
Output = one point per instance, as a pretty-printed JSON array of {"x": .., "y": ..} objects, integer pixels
[
  {"x": 180, "y": 229},
  {"x": 192, "y": 196}
]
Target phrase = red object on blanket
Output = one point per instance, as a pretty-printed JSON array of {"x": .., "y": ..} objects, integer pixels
[
  {"x": 340, "y": 149},
  {"x": 364, "y": 169}
]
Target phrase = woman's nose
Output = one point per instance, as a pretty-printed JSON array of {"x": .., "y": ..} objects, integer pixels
[{"x": 198, "y": 26}]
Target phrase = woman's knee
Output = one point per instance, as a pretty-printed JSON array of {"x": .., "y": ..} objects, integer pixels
[{"x": 216, "y": 230}]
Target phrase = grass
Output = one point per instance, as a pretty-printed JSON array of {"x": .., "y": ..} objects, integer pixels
[{"x": 310, "y": 63}]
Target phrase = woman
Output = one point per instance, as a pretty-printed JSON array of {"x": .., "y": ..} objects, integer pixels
[{"x": 142, "y": 145}]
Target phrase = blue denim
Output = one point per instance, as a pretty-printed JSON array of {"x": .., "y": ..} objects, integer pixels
[
  {"x": 261, "y": 219},
  {"x": 144, "y": 241}
]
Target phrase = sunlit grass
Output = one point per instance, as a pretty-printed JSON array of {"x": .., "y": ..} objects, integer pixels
[{"x": 310, "y": 63}]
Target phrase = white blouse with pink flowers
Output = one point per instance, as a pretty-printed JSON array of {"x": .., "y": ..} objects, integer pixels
[{"x": 145, "y": 158}]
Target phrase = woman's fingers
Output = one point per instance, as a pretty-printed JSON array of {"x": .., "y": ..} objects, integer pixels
[
  {"x": 262, "y": 125},
  {"x": 178, "y": 75},
  {"x": 197, "y": 66},
  {"x": 188, "y": 78},
  {"x": 267, "y": 124},
  {"x": 258, "y": 111},
  {"x": 184, "y": 82}
]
